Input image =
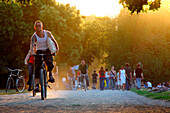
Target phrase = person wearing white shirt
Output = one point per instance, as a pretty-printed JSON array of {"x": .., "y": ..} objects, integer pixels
[{"x": 149, "y": 85}]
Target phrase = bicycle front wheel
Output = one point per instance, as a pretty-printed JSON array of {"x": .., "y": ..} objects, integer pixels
[
  {"x": 42, "y": 84},
  {"x": 8, "y": 84},
  {"x": 45, "y": 83},
  {"x": 20, "y": 84}
]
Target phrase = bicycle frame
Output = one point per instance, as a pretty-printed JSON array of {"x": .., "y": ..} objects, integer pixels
[
  {"x": 42, "y": 80},
  {"x": 12, "y": 75},
  {"x": 12, "y": 82}
]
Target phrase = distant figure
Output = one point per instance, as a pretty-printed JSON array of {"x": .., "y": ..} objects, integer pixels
[
  {"x": 107, "y": 76},
  {"x": 128, "y": 76},
  {"x": 139, "y": 76},
  {"x": 118, "y": 81},
  {"x": 159, "y": 85},
  {"x": 65, "y": 83},
  {"x": 112, "y": 77},
  {"x": 122, "y": 77},
  {"x": 94, "y": 79},
  {"x": 83, "y": 69},
  {"x": 167, "y": 84},
  {"x": 102, "y": 78}
]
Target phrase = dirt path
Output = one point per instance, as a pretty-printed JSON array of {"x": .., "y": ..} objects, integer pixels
[{"x": 80, "y": 101}]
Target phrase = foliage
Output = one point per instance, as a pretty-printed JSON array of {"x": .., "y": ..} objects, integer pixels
[
  {"x": 142, "y": 38},
  {"x": 138, "y": 5},
  {"x": 14, "y": 30},
  {"x": 98, "y": 31}
]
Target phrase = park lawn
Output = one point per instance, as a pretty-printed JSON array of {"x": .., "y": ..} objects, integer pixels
[
  {"x": 2, "y": 92},
  {"x": 152, "y": 95}
]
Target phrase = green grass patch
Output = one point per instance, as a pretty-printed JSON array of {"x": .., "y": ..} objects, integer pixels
[
  {"x": 153, "y": 95},
  {"x": 2, "y": 92}
]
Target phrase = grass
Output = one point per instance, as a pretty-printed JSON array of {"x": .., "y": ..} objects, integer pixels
[
  {"x": 2, "y": 92},
  {"x": 153, "y": 95}
]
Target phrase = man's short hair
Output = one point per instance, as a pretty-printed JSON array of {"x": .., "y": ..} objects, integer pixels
[
  {"x": 38, "y": 21},
  {"x": 127, "y": 64}
]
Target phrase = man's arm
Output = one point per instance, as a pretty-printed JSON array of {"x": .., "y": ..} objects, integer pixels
[
  {"x": 119, "y": 75},
  {"x": 142, "y": 75},
  {"x": 32, "y": 43},
  {"x": 86, "y": 69},
  {"x": 130, "y": 73},
  {"x": 53, "y": 39}
]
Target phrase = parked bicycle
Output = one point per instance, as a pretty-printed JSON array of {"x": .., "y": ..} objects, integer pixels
[
  {"x": 19, "y": 84},
  {"x": 43, "y": 77},
  {"x": 83, "y": 84}
]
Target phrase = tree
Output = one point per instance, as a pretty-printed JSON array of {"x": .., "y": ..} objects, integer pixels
[
  {"x": 142, "y": 38},
  {"x": 97, "y": 32},
  {"x": 13, "y": 34},
  {"x": 138, "y": 5}
]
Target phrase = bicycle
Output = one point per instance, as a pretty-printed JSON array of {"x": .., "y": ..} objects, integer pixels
[
  {"x": 43, "y": 78},
  {"x": 83, "y": 84},
  {"x": 71, "y": 81},
  {"x": 20, "y": 81}
]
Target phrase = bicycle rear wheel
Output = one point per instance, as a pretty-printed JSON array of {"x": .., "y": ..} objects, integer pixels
[
  {"x": 20, "y": 84},
  {"x": 8, "y": 84},
  {"x": 84, "y": 82},
  {"x": 42, "y": 84},
  {"x": 33, "y": 85},
  {"x": 72, "y": 88}
]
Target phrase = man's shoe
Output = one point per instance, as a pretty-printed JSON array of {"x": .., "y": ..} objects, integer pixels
[
  {"x": 29, "y": 88},
  {"x": 51, "y": 79},
  {"x": 87, "y": 88},
  {"x": 37, "y": 89},
  {"x": 29, "y": 82}
]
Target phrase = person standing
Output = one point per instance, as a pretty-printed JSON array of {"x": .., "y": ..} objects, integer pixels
[
  {"x": 94, "y": 79},
  {"x": 83, "y": 69},
  {"x": 102, "y": 78},
  {"x": 128, "y": 76},
  {"x": 139, "y": 76},
  {"x": 107, "y": 76},
  {"x": 30, "y": 68},
  {"x": 122, "y": 77},
  {"x": 112, "y": 77},
  {"x": 118, "y": 81}
]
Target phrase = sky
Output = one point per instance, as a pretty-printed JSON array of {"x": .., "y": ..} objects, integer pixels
[{"x": 109, "y": 8}]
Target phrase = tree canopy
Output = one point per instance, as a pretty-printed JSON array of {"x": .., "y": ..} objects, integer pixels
[{"x": 138, "y": 5}]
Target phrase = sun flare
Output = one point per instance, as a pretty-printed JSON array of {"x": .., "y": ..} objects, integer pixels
[{"x": 101, "y": 8}]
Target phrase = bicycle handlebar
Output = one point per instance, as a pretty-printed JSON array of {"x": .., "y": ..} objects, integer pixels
[
  {"x": 13, "y": 69},
  {"x": 44, "y": 54}
]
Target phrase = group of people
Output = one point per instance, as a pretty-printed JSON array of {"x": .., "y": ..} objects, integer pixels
[
  {"x": 122, "y": 79},
  {"x": 108, "y": 79}
]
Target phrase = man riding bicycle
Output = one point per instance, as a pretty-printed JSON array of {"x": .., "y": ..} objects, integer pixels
[
  {"x": 39, "y": 38},
  {"x": 83, "y": 69}
]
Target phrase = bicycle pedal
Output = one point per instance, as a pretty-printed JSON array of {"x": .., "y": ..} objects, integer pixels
[{"x": 49, "y": 86}]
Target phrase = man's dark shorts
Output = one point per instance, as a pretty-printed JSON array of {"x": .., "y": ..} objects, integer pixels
[{"x": 48, "y": 60}]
